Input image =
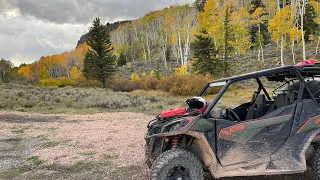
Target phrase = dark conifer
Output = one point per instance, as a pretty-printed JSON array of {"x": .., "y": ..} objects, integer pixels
[{"x": 99, "y": 61}]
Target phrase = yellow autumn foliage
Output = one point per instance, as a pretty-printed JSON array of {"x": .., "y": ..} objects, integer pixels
[
  {"x": 182, "y": 70},
  {"x": 134, "y": 77}
]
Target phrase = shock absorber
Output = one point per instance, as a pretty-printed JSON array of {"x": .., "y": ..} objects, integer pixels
[{"x": 175, "y": 142}]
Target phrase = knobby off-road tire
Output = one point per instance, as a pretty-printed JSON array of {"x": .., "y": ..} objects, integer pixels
[
  {"x": 147, "y": 156},
  {"x": 176, "y": 164},
  {"x": 315, "y": 165}
]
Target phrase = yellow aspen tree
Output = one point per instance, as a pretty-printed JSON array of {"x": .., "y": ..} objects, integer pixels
[
  {"x": 316, "y": 5},
  {"x": 279, "y": 26},
  {"x": 75, "y": 73},
  {"x": 25, "y": 71},
  {"x": 302, "y": 11},
  {"x": 241, "y": 42},
  {"x": 257, "y": 18},
  {"x": 295, "y": 36},
  {"x": 43, "y": 73}
]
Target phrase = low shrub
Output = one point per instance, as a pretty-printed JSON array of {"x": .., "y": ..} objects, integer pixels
[
  {"x": 150, "y": 82},
  {"x": 120, "y": 83},
  {"x": 188, "y": 84},
  {"x": 175, "y": 84},
  {"x": 60, "y": 82},
  {"x": 83, "y": 82},
  {"x": 64, "y": 81},
  {"x": 49, "y": 82}
]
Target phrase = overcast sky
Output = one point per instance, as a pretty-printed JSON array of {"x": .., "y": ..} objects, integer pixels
[{"x": 33, "y": 28}]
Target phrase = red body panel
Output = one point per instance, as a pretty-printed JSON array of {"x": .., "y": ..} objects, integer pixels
[
  {"x": 173, "y": 112},
  {"x": 306, "y": 62}
]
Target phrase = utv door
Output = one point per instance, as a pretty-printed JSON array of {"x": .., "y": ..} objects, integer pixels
[{"x": 255, "y": 139}]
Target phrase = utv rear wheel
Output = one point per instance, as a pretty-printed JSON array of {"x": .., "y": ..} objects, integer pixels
[
  {"x": 315, "y": 166},
  {"x": 176, "y": 164}
]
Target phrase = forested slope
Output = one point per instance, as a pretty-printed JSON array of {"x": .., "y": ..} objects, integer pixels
[{"x": 241, "y": 36}]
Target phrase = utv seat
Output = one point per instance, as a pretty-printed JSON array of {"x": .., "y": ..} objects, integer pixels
[
  {"x": 257, "y": 109},
  {"x": 280, "y": 100}
]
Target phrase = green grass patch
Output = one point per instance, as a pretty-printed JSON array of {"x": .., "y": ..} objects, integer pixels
[
  {"x": 48, "y": 144},
  {"x": 109, "y": 156},
  {"x": 88, "y": 153},
  {"x": 35, "y": 160}
]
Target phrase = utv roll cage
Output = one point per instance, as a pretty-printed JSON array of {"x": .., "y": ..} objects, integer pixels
[{"x": 278, "y": 74}]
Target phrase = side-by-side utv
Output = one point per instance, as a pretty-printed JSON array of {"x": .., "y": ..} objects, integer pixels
[{"x": 271, "y": 133}]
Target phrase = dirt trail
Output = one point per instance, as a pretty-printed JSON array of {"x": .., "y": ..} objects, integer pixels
[{"x": 99, "y": 146}]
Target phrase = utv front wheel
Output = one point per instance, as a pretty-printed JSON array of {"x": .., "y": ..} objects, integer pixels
[
  {"x": 315, "y": 166},
  {"x": 176, "y": 164}
]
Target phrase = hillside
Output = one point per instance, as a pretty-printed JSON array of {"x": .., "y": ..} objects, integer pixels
[
  {"x": 248, "y": 35},
  {"x": 143, "y": 41},
  {"x": 109, "y": 26}
]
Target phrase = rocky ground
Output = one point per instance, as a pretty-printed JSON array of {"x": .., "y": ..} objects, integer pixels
[{"x": 99, "y": 146}]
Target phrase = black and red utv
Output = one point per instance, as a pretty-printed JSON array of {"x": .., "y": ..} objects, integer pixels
[{"x": 274, "y": 131}]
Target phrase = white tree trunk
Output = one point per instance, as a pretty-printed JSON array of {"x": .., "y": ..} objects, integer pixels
[
  {"x": 148, "y": 47},
  {"x": 260, "y": 44},
  {"x": 262, "y": 53},
  {"x": 164, "y": 50},
  {"x": 144, "y": 50},
  {"x": 318, "y": 45},
  {"x": 302, "y": 13},
  {"x": 186, "y": 51},
  {"x": 293, "y": 55},
  {"x": 278, "y": 3},
  {"x": 282, "y": 44},
  {"x": 180, "y": 48}
]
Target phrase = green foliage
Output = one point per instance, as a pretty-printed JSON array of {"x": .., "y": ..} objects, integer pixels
[
  {"x": 227, "y": 37},
  {"x": 35, "y": 160},
  {"x": 204, "y": 56},
  {"x": 99, "y": 62},
  {"x": 122, "y": 60},
  {"x": 199, "y": 4},
  {"x": 6, "y": 69},
  {"x": 155, "y": 73},
  {"x": 255, "y": 37},
  {"x": 310, "y": 26},
  {"x": 60, "y": 82},
  {"x": 43, "y": 73}
]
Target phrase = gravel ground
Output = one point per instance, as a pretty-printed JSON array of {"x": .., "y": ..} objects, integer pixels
[{"x": 99, "y": 146}]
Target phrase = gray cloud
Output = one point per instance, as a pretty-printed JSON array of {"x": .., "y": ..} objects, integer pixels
[
  {"x": 83, "y": 11},
  {"x": 7, "y": 4}
]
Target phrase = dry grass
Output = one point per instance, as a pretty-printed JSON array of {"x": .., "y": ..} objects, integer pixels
[
  {"x": 28, "y": 98},
  {"x": 75, "y": 100}
]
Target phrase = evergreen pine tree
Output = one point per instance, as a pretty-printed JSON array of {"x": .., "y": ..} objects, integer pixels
[
  {"x": 310, "y": 26},
  {"x": 122, "y": 60},
  {"x": 99, "y": 62},
  {"x": 199, "y": 4},
  {"x": 227, "y": 37},
  {"x": 204, "y": 56},
  {"x": 5, "y": 70}
]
